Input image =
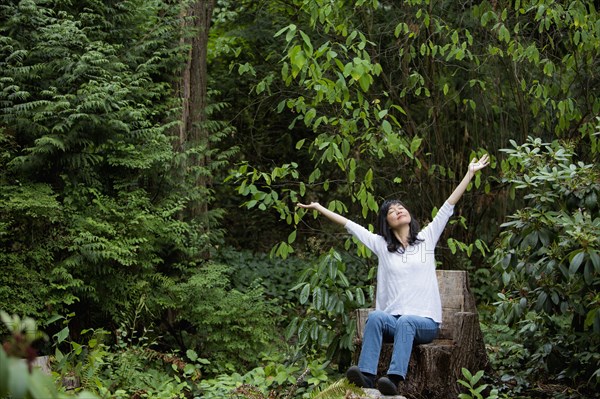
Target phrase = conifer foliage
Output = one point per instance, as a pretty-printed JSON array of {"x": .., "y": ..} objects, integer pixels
[{"x": 90, "y": 211}]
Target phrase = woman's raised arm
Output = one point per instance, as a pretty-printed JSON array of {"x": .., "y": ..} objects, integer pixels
[
  {"x": 334, "y": 217},
  {"x": 474, "y": 166}
]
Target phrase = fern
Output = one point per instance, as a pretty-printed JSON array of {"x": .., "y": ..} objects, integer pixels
[
  {"x": 49, "y": 144},
  {"x": 339, "y": 389}
]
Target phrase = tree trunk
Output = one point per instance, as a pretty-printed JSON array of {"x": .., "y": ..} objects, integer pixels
[{"x": 193, "y": 132}]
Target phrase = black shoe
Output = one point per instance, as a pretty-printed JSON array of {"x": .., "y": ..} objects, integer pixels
[
  {"x": 387, "y": 387},
  {"x": 359, "y": 379}
]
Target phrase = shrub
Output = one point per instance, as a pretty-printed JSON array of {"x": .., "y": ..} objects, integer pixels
[{"x": 548, "y": 259}]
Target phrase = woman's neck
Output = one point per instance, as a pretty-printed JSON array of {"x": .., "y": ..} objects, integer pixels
[{"x": 402, "y": 234}]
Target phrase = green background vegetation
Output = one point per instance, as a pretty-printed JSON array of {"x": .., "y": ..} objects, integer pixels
[{"x": 165, "y": 258}]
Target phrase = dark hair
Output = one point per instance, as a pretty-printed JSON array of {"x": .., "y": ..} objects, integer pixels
[{"x": 393, "y": 244}]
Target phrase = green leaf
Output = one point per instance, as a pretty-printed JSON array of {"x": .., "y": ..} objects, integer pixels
[
  {"x": 588, "y": 273},
  {"x": 364, "y": 81},
  {"x": 415, "y": 144},
  {"x": 291, "y": 27},
  {"x": 77, "y": 348},
  {"x": 506, "y": 278},
  {"x": 18, "y": 381},
  {"x": 590, "y": 317},
  {"x": 292, "y": 237},
  {"x": 343, "y": 280},
  {"x": 62, "y": 335},
  {"x": 451, "y": 245},
  {"x": 386, "y": 127},
  {"x": 541, "y": 301},
  {"x": 477, "y": 377},
  {"x": 349, "y": 295},
  {"x": 332, "y": 269},
  {"x": 41, "y": 386},
  {"x": 576, "y": 261},
  {"x": 53, "y": 319},
  {"x": 292, "y": 328},
  {"x": 3, "y": 373},
  {"x": 189, "y": 369},
  {"x": 467, "y": 374},
  {"x": 192, "y": 355},
  {"x": 595, "y": 258},
  {"x": 307, "y": 42},
  {"x": 304, "y": 294},
  {"x": 297, "y": 59},
  {"x": 318, "y": 298},
  {"x": 360, "y": 297}
]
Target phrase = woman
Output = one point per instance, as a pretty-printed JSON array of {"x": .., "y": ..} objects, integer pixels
[{"x": 408, "y": 306}]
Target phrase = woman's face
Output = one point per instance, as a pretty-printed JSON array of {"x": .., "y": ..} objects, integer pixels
[{"x": 397, "y": 215}]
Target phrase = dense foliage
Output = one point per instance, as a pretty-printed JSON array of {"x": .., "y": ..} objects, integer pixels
[
  {"x": 86, "y": 145},
  {"x": 348, "y": 102},
  {"x": 93, "y": 199},
  {"x": 549, "y": 259}
]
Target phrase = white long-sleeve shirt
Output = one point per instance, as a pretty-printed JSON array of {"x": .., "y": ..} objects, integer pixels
[{"x": 406, "y": 282}]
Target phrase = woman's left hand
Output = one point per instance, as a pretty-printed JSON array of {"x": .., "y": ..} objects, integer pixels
[{"x": 476, "y": 165}]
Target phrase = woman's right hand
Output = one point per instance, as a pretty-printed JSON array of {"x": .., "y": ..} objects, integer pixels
[
  {"x": 312, "y": 205},
  {"x": 334, "y": 217}
]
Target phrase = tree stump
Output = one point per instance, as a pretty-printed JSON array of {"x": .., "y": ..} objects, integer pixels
[
  {"x": 43, "y": 363},
  {"x": 434, "y": 368},
  {"x": 372, "y": 393}
]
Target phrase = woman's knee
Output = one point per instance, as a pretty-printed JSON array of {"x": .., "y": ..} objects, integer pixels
[
  {"x": 423, "y": 329},
  {"x": 376, "y": 318},
  {"x": 406, "y": 324}
]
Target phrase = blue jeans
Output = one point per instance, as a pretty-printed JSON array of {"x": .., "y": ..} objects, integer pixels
[{"x": 403, "y": 331}]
